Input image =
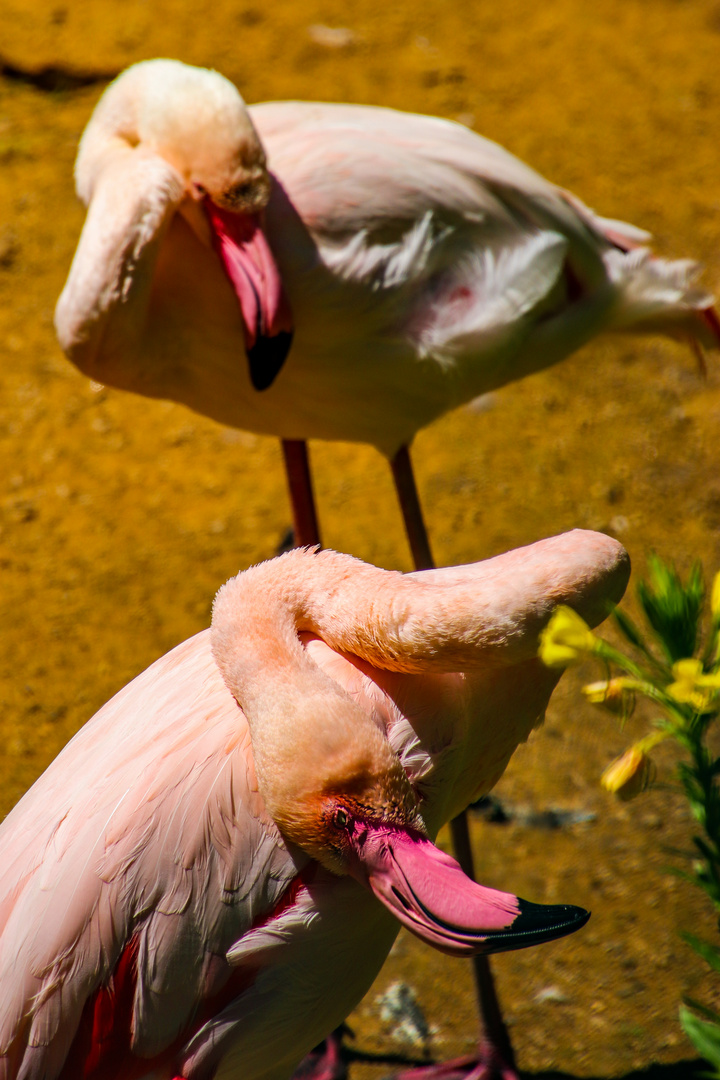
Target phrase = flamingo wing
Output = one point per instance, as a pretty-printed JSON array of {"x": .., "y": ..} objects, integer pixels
[
  {"x": 144, "y": 844},
  {"x": 440, "y": 267},
  {"x": 395, "y": 200}
]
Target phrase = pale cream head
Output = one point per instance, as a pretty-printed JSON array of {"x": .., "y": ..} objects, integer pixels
[
  {"x": 193, "y": 118},
  {"x": 322, "y": 763}
]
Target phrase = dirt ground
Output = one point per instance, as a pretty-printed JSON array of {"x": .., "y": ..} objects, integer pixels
[{"x": 120, "y": 517}]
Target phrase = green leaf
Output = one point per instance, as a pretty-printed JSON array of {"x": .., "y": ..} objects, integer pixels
[
  {"x": 703, "y": 1034},
  {"x": 628, "y": 628},
  {"x": 673, "y": 609},
  {"x": 710, "y": 953},
  {"x": 698, "y": 1006},
  {"x": 707, "y": 852}
]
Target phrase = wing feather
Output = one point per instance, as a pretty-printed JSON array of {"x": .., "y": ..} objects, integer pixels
[
  {"x": 148, "y": 825},
  {"x": 437, "y": 229}
]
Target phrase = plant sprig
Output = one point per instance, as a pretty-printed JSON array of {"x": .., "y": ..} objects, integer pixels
[{"x": 682, "y": 677}]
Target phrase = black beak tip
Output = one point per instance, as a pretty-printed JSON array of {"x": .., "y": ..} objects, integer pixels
[
  {"x": 535, "y": 924},
  {"x": 266, "y": 358},
  {"x": 545, "y": 922}
]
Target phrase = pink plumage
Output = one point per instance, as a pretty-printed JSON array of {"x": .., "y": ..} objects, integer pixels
[{"x": 421, "y": 264}]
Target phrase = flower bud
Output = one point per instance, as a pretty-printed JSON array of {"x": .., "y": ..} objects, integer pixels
[
  {"x": 616, "y": 695},
  {"x": 629, "y": 774}
]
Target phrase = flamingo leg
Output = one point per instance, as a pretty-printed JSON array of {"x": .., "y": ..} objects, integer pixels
[
  {"x": 297, "y": 469},
  {"x": 496, "y": 1057},
  {"x": 408, "y": 498}
]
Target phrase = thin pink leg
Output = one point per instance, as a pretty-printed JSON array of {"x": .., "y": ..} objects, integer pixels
[
  {"x": 415, "y": 529},
  {"x": 496, "y": 1048},
  {"x": 297, "y": 469}
]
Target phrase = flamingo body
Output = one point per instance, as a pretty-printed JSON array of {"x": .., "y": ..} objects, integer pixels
[
  {"x": 423, "y": 264},
  {"x": 155, "y": 921}
]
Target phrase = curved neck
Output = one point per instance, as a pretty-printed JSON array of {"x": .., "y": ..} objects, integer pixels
[
  {"x": 310, "y": 739},
  {"x": 102, "y": 310},
  {"x": 464, "y": 618},
  {"x": 393, "y": 621}
]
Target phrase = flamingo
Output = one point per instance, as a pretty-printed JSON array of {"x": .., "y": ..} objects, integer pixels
[
  {"x": 210, "y": 874},
  {"x": 382, "y": 270}
]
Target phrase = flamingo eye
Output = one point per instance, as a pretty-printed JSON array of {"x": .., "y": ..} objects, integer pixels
[{"x": 341, "y": 819}]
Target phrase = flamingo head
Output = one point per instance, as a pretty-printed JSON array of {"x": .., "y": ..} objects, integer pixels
[
  {"x": 194, "y": 119},
  {"x": 197, "y": 123},
  {"x": 324, "y": 769}
]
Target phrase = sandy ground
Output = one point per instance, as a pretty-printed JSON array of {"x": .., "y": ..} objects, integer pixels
[{"x": 120, "y": 517}]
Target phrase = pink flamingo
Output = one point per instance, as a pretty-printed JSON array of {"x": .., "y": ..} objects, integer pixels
[
  {"x": 412, "y": 265},
  {"x": 388, "y": 268},
  {"x": 211, "y": 873}
]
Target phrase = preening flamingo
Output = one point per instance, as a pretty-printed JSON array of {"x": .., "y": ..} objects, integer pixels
[
  {"x": 384, "y": 269},
  {"x": 182, "y": 890}
]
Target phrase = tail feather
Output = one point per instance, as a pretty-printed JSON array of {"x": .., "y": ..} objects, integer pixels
[
  {"x": 655, "y": 295},
  {"x": 620, "y": 234},
  {"x": 659, "y": 295}
]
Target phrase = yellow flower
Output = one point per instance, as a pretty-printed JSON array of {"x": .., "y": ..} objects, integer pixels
[
  {"x": 692, "y": 686},
  {"x": 566, "y": 639},
  {"x": 629, "y": 774},
  {"x": 617, "y": 695}
]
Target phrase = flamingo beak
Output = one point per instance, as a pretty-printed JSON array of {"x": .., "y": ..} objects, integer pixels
[
  {"x": 428, "y": 892},
  {"x": 249, "y": 263}
]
